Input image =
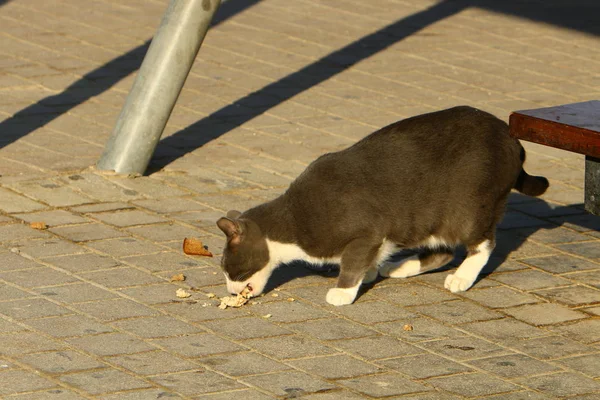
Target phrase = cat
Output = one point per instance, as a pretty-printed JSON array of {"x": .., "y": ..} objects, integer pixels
[{"x": 432, "y": 182}]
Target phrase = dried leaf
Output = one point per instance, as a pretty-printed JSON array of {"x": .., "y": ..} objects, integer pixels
[
  {"x": 193, "y": 246},
  {"x": 181, "y": 293},
  {"x": 178, "y": 278},
  {"x": 39, "y": 225}
]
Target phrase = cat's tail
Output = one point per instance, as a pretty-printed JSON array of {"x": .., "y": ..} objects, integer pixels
[
  {"x": 531, "y": 185},
  {"x": 528, "y": 184}
]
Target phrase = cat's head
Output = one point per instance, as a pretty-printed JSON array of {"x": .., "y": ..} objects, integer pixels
[{"x": 245, "y": 259}]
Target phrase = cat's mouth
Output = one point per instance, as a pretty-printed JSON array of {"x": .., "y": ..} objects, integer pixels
[{"x": 249, "y": 288}]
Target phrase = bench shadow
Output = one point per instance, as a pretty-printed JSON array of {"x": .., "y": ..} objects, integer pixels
[{"x": 525, "y": 217}]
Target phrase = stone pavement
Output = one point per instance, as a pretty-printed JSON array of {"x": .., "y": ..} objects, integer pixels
[{"x": 87, "y": 309}]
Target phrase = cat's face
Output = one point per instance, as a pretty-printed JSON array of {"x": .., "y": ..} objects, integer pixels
[{"x": 245, "y": 259}]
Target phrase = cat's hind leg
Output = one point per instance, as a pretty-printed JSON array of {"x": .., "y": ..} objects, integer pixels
[
  {"x": 467, "y": 272},
  {"x": 427, "y": 260}
]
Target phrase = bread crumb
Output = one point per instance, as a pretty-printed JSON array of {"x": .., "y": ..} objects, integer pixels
[
  {"x": 193, "y": 246},
  {"x": 178, "y": 278},
  {"x": 237, "y": 301},
  {"x": 267, "y": 316},
  {"x": 407, "y": 327},
  {"x": 181, "y": 293},
  {"x": 274, "y": 295},
  {"x": 290, "y": 299},
  {"x": 211, "y": 295},
  {"x": 39, "y": 225}
]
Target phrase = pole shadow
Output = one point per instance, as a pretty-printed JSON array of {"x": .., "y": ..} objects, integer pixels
[{"x": 92, "y": 84}]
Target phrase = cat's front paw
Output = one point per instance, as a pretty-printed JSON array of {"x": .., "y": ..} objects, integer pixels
[
  {"x": 340, "y": 297},
  {"x": 457, "y": 284}
]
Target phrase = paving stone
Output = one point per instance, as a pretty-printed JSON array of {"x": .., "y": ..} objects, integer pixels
[
  {"x": 121, "y": 277},
  {"x": 142, "y": 394},
  {"x": 163, "y": 262},
  {"x": 123, "y": 247},
  {"x": 165, "y": 232},
  {"x": 115, "y": 309},
  {"x": 499, "y": 297},
  {"x": 424, "y": 366},
  {"x": 242, "y": 364},
  {"x": 153, "y": 363},
  {"x": 580, "y": 223},
  {"x": 71, "y": 325},
  {"x": 109, "y": 344},
  {"x": 504, "y": 329},
  {"x": 331, "y": 329},
  {"x": 125, "y": 218},
  {"x": 36, "y": 277},
  {"x": 149, "y": 187},
  {"x": 382, "y": 385},
  {"x": 557, "y": 235},
  {"x": 289, "y": 347},
  {"x": 52, "y": 217},
  {"x": 544, "y": 313},
  {"x": 9, "y": 293},
  {"x": 152, "y": 293},
  {"x": 170, "y": 205},
  {"x": 103, "y": 381},
  {"x": 286, "y": 311},
  {"x": 413, "y": 295},
  {"x": 85, "y": 232},
  {"x": 82, "y": 262},
  {"x": 572, "y": 295},
  {"x": 332, "y": 395},
  {"x": 19, "y": 343},
  {"x": 457, "y": 312},
  {"x": 583, "y": 249},
  {"x": 464, "y": 348},
  {"x": 246, "y": 328},
  {"x": 52, "y": 193},
  {"x": 15, "y": 381},
  {"x": 288, "y": 384},
  {"x": 335, "y": 366},
  {"x": 377, "y": 347},
  {"x": 75, "y": 293},
  {"x": 513, "y": 366},
  {"x": 562, "y": 384},
  {"x": 49, "y": 248},
  {"x": 31, "y": 308},
  {"x": 16, "y": 232},
  {"x": 550, "y": 347},
  {"x": 100, "y": 207},
  {"x": 154, "y": 327},
  {"x": 11, "y": 202},
  {"x": 469, "y": 385},
  {"x": 423, "y": 329},
  {"x": 587, "y": 331},
  {"x": 194, "y": 383},
  {"x": 10, "y": 261},
  {"x": 9, "y": 327},
  {"x": 59, "y": 362},
  {"x": 523, "y": 395},
  {"x": 530, "y": 280},
  {"x": 590, "y": 278},
  {"x": 561, "y": 263},
  {"x": 198, "y": 345},
  {"x": 515, "y": 219},
  {"x": 588, "y": 365},
  {"x": 372, "y": 312},
  {"x": 100, "y": 188},
  {"x": 52, "y": 394}
]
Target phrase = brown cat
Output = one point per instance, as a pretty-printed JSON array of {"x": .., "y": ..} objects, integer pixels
[{"x": 433, "y": 182}]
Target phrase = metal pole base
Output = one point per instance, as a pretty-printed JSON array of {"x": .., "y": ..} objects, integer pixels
[{"x": 157, "y": 86}]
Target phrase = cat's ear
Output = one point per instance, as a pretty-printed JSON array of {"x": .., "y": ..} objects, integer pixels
[
  {"x": 233, "y": 214},
  {"x": 231, "y": 228}
]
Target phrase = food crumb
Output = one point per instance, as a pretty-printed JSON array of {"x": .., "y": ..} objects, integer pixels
[
  {"x": 193, "y": 246},
  {"x": 237, "y": 301},
  {"x": 39, "y": 225},
  {"x": 290, "y": 299},
  {"x": 407, "y": 327},
  {"x": 211, "y": 295},
  {"x": 274, "y": 295},
  {"x": 181, "y": 293},
  {"x": 178, "y": 278},
  {"x": 267, "y": 316}
]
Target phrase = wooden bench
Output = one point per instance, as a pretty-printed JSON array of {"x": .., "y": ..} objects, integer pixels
[{"x": 572, "y": 127}]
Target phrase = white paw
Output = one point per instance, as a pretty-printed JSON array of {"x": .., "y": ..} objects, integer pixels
[
  {"x": 457, "y": 284},
  {"x": 408, "y": 267},
  {"x": 340, "y": 297},
  {"x": 370, "y": 276}
]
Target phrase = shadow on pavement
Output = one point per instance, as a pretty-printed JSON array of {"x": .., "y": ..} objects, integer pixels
[{"x": 91, "y": 84}]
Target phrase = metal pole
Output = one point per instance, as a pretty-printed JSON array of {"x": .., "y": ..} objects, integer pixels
[{"x": 157, "y": 85}]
